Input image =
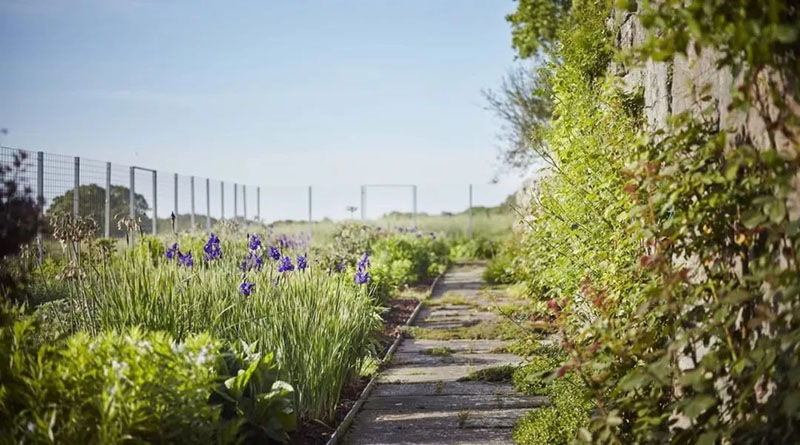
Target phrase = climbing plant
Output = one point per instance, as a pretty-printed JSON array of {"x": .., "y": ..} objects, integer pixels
[{"x": 669, "y": 255}]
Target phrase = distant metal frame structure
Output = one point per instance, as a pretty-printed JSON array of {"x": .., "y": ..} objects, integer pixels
[
  {"x": 155, "y": 194},
  {"x": 413, "y": 188}
]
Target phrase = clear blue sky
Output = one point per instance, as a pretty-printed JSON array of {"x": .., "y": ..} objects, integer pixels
[{"x": 262, "y": 92}]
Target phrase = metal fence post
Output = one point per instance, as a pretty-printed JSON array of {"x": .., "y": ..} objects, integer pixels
[
  {"x": 132, "y": 194},
  {"x": 222, "y": 200},
  {"x": 310, "y": 218},
  {"x": 235, "y": 201},
  {"x": 76, "y": 200},
  {"x": 469, "y": 220},
  {"x": 414, "y": 206},
  {"x": 363, "y": 203},
  {"x": 258, "y": 203},
  {"x": 155, "y": 203},
  {"x": 191, "y": 192},
  {"x": 40, "y": 196},
  {"x": 208, "y": 205},
  {"x": 107, "y": 209},
  {"x": 40, "y": 182},
  {"x": 244, "y": 200},
  {"x": 176, "y": 202}
]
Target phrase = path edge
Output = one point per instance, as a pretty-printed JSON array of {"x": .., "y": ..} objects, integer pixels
[{"x": 341, "y": 430}]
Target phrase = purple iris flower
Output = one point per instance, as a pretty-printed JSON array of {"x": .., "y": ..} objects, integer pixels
[
  {"x": 250, "y": 261},
  {"x": 364, "y": 263},
  {"x": 255, "y": 242},
  {"x": 286, "y": 265},
  {"x": 171, "y": 251},
  {"x": 361, "y": 277},
  {"x": 302, "y": 262},
  {"x": 185, "y": 260},
  {"x": 212, "y": 248},
  {"x": 274, "y": 253},
  {"x": 362, "y": 273},
  {"x": 246, "y": 288},
  {"x": 339, "y": 267}
]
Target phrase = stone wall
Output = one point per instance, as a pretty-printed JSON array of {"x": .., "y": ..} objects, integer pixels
[{"x": 692, "y": 83}]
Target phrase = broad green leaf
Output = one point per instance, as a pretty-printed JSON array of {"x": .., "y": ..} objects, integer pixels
[{"x": 698, "y": 405}]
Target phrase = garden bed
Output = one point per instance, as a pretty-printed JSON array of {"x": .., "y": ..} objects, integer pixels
[{"x": 313, "y": 432}]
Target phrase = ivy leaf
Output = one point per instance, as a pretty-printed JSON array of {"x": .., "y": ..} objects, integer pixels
[
  {"x": 752, "y": 218},
  {"x": 697, "y": 405},
  {"x": 731, "y": 171},
  {"x": 777, "y": 210},
  {"x": 634, "y": 380}
]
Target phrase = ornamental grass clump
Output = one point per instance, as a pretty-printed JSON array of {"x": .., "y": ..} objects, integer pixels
[{"x": 318, "y": 325}]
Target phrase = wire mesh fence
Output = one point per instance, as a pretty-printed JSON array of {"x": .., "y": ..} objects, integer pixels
[{"x": 108, "y": 192}]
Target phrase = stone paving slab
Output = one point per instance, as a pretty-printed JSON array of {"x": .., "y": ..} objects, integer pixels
[
  {"x": 453, "y": 402},
  {"x": 411, "y": 345},
  {"x": 467, "y": 359},
  {"x": 435, "y": 436},
  {"x": 442, "y": 388},
  {"x": 444, "y": 372},
  {"x": 454, "y": 319},
  {"x": 379, "y": 421}
]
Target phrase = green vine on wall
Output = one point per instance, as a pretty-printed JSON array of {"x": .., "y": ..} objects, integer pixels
[{"x": 672, "y": 254}]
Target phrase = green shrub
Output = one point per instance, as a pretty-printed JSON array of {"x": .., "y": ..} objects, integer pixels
[
  {"x": 107, "y": 389},
  {"x": 135, "y": 386},
  {"x": 533, "y": 378},
  {"x": 558, "y": 423},
  {"x": 401, "y": 260},
  {"x": 500, "y": 270},
  {"x": 478, "y": 248}
]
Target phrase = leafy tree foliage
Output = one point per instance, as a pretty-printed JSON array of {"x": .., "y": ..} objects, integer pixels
[
  {"x": 19, "y": 213},
  {"x": 523, "y": 105},
  {"x": 536, "y": 23},
  {"x": 19, "y": 222}
]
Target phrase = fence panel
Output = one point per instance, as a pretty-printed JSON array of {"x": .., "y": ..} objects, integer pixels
[
  {"x": 214, "y": 188},
  {"x": 24, "y": 169},
  {"x": 183, "y": 212},
  {"x": 336, "y": 203},
  {"x": 120, "y": 198},
  {"x": 462, "y": 210},
  {"x": 284, "y": 203},
  {"x": 92, "y": 191}
]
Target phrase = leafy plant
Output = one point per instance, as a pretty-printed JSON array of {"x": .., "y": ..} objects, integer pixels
[
  {"x": 256, "y": 406},
  {"x": 108, "y": 389},
  {"x": 559, "y": 423},
  {"x": 534, "y": 378},
  {"x": 479, "y": 248},
  {"x": 668, "y": 257},
  {"x": 318, "y": 323}
]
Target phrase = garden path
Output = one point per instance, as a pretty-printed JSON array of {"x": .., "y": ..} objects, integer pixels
[{"x": 420, "y": 399}]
